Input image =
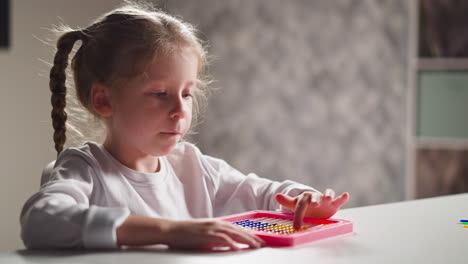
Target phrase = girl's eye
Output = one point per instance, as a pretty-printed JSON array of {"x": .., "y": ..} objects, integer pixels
[
  {"x": 160, "y": 94},
  {"x": 164, "y": 94}
]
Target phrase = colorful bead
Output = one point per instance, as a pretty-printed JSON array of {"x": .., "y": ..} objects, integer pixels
[{"x": 278, "y": 226}]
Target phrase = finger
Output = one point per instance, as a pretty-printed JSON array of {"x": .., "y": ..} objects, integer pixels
[
  {"x": 329, "y": 195},
  {"x": 341, "y": 200},
  {"x": 236, "y": 230},
  {"x": 286, "y": 201},
  {"x": 316, "y": 199},
  {"x": 225, "y": 240},
  {"x": 245, "y": 237},
  {"x": 301, "y": 208}
]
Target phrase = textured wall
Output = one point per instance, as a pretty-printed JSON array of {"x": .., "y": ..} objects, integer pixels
[{"x": 313, "y": 91}]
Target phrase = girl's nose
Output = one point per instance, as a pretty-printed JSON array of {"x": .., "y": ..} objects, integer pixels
[{"x": 178, "y": 110}]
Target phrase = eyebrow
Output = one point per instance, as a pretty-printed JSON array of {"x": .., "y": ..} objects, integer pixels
[
  {"x": 147, "y": 78},
  {"x": 188, "y": 84}
]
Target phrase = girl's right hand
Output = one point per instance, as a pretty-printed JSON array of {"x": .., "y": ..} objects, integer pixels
[{"x": 208, "y": 234}]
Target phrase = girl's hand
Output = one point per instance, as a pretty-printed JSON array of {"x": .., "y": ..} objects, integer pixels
[
  {"x": 312, "y": 204},
  {"x": 208, "y": 234}
]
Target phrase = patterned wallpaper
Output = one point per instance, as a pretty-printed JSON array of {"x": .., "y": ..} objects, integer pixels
[{"x": 312, "y": 91}]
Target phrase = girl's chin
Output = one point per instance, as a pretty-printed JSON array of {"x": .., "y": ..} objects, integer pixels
[{"x": 163, "y": 149}]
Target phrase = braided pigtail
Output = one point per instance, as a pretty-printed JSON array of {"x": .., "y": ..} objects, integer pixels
[{"x": 57, "y": 86}]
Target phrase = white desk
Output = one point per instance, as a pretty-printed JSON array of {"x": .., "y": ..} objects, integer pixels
[{"x": 419, "y": 231}]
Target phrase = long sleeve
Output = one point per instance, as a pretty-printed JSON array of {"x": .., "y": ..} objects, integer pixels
[
  {"x": 59, "y": 215},
  {"x": 236, "y": 192}
]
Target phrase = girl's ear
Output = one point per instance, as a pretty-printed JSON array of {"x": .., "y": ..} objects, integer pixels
[{"x": 100, "y": 99}]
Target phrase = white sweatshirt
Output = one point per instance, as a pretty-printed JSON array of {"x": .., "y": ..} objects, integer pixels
[{"x": 86, "y": 194}]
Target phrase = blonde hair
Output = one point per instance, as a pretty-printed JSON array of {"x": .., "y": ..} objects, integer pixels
[{"x": 116, "y": 48}]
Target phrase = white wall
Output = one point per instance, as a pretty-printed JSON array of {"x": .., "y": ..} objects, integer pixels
[{"x": 26, "y": 130}]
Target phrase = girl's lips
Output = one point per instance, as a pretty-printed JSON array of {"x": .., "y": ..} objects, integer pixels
[{"x": 171, "y": 133}]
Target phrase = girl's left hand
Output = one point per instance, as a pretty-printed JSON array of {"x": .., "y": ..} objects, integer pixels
[{"x": 312, "y": 204}]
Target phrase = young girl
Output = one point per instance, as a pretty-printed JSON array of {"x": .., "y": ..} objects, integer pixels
[{"x": 141, "y": 72}]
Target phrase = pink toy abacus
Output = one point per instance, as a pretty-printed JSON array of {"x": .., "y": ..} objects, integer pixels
[{"x": 276, "y": 229}]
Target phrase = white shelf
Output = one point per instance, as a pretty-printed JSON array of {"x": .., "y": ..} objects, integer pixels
[
  {"x": 443, "y": 64},
  {"x": 441, "y": 143}
]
